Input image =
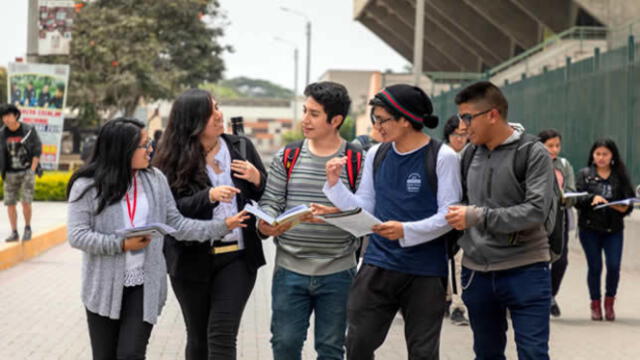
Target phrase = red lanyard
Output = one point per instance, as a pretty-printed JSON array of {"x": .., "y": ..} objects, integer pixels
[{"x": 131, "y": 210}]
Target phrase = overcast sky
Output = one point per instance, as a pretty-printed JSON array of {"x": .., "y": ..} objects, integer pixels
[{"x": 338, "y": 42}]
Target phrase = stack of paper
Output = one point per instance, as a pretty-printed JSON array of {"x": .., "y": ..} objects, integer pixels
[
  {"x": 625, "y": 202},
  {"x": 151, "y": 229},
  {"x": 357, "y": 221}
]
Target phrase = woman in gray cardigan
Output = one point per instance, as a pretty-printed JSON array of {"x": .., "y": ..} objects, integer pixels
[{"x": 124, "y": 279}]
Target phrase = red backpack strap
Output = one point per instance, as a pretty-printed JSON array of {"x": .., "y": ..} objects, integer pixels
[
  {"x": 290, "y": 156},
  {"x": 354, "y": 163}
]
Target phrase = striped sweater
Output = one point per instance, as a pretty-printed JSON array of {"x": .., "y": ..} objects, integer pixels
[{"x": 308, "y": 249}]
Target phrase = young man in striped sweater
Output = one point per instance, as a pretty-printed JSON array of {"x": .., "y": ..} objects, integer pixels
[{"x": 315, "y": 262}]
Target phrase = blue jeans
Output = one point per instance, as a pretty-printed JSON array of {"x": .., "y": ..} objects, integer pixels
[
  {"x": 526, "y": 292},
  {"x": 294, "y": 298},
  {"x": 594, "y": 243}
]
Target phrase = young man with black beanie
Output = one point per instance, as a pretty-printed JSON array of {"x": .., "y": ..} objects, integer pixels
[{"x": 405, "y": 264}]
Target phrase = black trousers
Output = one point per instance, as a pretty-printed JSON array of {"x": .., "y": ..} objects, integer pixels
[
  {"x": 559, "y": 267},
  {"x": 212, "y": 310},
  {"x": 376, "y": 296},
  {"x": 125, "y": 338}
]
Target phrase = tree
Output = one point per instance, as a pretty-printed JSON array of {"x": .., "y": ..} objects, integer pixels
[
  {"x": 257, "y": 88},
  {"x": 348, "y": 129},
  {"x": 3, "y": 86},
  {"x": 124, "y": 51}
]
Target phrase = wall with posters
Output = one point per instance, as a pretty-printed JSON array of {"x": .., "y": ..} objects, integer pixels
[
  {"x": 55, "y": 21},
  {"x": 40, "y": 91}
]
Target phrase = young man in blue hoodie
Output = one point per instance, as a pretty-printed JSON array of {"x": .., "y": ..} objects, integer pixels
[{"x": 506, "y": 249}]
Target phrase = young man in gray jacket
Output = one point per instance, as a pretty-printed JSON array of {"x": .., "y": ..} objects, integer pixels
[{"x": 506, "y": 250}]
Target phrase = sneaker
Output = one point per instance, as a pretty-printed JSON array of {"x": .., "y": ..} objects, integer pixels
[
  {"x": 555, "y": 309},
  {"x": 26, "y": 236},
  {"x": 457, "y": 318},
  {"x": 13, "y": 237}
]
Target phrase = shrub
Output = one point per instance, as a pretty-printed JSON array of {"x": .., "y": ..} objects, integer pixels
[{"x": 52, "y": 186}]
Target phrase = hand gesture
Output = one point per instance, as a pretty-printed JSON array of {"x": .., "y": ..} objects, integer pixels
[
  {"x": 245, "y": 170},
  {"x": 334, "y": 169},
  {"x": 597, "y": 200},
  {"x": 392, "y": 230},
  {"x": 135, "y": 243},
  {"x": 271, "y": 230},
  {"x": 237, "y": 220},
  {"x": 223, "y": 193},
  {"x": 457, "y": 217}
]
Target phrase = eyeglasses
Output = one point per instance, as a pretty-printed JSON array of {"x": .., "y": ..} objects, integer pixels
[
  {"x": 468, "y": 117},
  {"x": 459, "y": 136},
  {"x": 147, "y": 146},
  {"x": 379, "y": 122}
]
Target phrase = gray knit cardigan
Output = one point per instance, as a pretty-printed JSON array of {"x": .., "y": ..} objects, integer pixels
[{"x": 103, "y": 265}]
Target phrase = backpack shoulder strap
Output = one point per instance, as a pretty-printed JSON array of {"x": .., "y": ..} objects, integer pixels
[
  {"x": 354, "y": 163},
  {"x": 290, "y": 156},
  {"x": 431, "y": 162},
  {"x": 465, "y": 163},
  {"x": 521, "y": 157},
  {"x": 383, "y": 149}
]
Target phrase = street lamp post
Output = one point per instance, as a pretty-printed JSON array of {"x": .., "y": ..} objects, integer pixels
[
  {"x": 308, "y": 33},
  {"x": 295, "y": 77}
]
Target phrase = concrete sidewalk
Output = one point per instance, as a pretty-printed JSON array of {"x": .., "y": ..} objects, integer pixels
[{"x": 41, "y": 316}]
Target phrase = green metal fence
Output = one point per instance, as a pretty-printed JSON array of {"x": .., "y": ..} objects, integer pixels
[{"x": 596, "y": 97}]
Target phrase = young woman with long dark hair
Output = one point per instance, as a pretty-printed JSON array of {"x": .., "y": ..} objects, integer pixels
[
  {"x": 211, "y": 174},
  {"x": 606, "y": 179},
  {"x": 124, "y": 283}
]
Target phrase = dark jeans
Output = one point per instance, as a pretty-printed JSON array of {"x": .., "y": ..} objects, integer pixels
[
  {"x": 125, "y": 338},
  {"x": 294, "y": 297},
  {"x": 526, "y": 293},
  {"x": 559, "y": 267},
  {"x": 594, "y": 243},
  {"x": 212, "y": 310},
  {"x": 376, "y": 296}
]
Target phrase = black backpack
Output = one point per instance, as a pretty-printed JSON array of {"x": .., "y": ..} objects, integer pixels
[
  {"x": 430, "y": 159},
  {"x": 554, "y": 223}
]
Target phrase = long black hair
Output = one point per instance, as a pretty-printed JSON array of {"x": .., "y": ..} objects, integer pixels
[
  {"x": 450, "y": 127},
  {"x": 617, "y": 165},
  {"x": 110, "y": 163},
  {"x": 182, "y": 157}
]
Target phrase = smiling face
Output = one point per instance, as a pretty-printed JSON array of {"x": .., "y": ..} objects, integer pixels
[
  {"x": 459, "y": 137},
  {"x": 390, "y": 128},
  {"x": 215, "y": 124},
  {"x": 479, "y": 121},
  {"x": 314, "y": 121},
  {"x": 11, "y": 121},
  {"x": 141, "y": 156}
]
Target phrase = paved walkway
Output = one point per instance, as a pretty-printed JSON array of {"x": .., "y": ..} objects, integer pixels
[{"x": 41, "y": 317}]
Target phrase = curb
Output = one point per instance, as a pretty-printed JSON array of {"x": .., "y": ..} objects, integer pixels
[{"x": 13, "y": 253}]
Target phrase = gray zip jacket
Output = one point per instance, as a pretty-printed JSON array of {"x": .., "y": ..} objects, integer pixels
[
  {"x": 103, "y": 265},
  {"x": 507, "y": 225}
]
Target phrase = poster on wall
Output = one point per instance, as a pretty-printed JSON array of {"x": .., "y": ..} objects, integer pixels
[
  {"x": 55, "y": 21},
  {"x": 40, "y": 92}
]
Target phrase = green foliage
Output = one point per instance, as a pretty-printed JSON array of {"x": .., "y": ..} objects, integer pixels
[
  {"x": 348, "y": 129},
  {"x": 220, "y": 91},
  {"x": 52, "y": 186},
  {"x": 3, "y": 85},
  {"x": 291, "y": 136},
  {"x": 256, "y": 88},
  {"x": 126, "y": 50}
]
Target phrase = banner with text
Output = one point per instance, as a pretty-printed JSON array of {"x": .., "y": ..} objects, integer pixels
[{"x": 40, "y": 91}]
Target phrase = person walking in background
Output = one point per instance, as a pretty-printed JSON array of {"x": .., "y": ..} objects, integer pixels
[
  {"x": 20, "y": 150},
  {"x": 315, "y": 262},
  {"x": 601, "y": 231},
  {"x": 552, "y": 141},
  {"x": 455, "y": 135},
  {"x": 124, "y": 284},
  {"x": 408, "y": 182},
  {"x": 210, "y": 179}
]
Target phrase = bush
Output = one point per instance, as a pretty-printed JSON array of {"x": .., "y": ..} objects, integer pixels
[{"x": 52, "y": 186}]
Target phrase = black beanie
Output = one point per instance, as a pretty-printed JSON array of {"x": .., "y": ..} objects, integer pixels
[{"x": 411, "y": 102}]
